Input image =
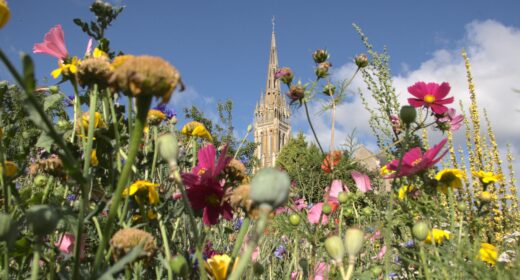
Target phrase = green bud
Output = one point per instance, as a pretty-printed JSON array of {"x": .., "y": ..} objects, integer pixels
[
  {"x": 354, "y": 239},
  {"x": 329, "y": 89},
  {"x": 7, "y": 229},
  {"x": 40, "y": 181},
  {"x": 169, "y": 148},
  {"x": 249, "y": 128},
  {"x": 408, "y": 114},
  {"x": 294, "y": 219},
  {"x": 62, "y": 124},
  {"x": 174, "y": 120},
  {"x": 376, "y": 271},
  {"x": 462, "y": 206},
  {"x": 420, "y": 230},
  {"x": 179, "y": 265},
  {"x": 367, "y": 211},
  {"x": 270, "y": 187},
  {"x": 361, "y": 60},
  {"x": 343, "y": 197},
  {"x": 335, "y": 248},
  {"x": 54, "y": 89},
  {"x": 326, "y": 209},
  {"x": 348, "y": 212},
  {"x": 42, "y": 219}
]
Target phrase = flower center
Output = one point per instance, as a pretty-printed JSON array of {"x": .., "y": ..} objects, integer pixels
[
  {"x": 429, "y": 98},
  {"x": 201, "y": 171},
  {"x": 416, "y": 162},
  {"x": 213, "y": 200}
]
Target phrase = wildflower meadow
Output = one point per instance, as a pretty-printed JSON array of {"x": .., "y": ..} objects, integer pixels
[{"x": 101, "y": 179}]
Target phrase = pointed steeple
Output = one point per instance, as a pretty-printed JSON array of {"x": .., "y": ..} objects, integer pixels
[{"x": 272, "y": 86}]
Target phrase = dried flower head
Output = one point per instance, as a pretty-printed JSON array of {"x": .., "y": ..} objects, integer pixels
[
  {"x": 126, "y": 239},
  {"x": 361, "y": 60},
  {"x": 146, "y": 76},
  {"x": 320, "y": 55},
  {"x": 236, "y": 172},
  {"x": 52, "y": 165},
  {"x": 296, "y": 93},
  {"x": 94, "y": 70},
  {"x": 322, "y": 70}
]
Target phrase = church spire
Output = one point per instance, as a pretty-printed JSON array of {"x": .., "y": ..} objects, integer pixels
[{"x": 272, "y": 86}]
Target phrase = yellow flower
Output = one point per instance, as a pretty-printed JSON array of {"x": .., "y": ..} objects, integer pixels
[
  {"x": 384, "y": 171},
  {"x": 98, "y": 122},
  {"x": 5, "y": 13},
  {"x": 488, "y": 253},
  {"x": 10, "y": 168},
  {"x": 403, "y": 191},
  {"x": 196, "y": 129},
  {"x": 488, "y": 177},
  {"x": 99, "y": 53},
  {"x": 437, "y": 235},
  {"x": 449, "y": 178},
  {"x": 93, "y": 158},
  {"x": 66, "y": 68},
  {"x": 143, "y": 189},
  {"x": 155, "y": 116},
  {"x": 218, "y": 266}
]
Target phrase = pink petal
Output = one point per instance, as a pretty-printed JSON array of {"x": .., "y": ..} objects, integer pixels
[
  {"x": 294, "y": 275},
  {"x": 362, "y": 181},
  {"x": 89, "y": 47},
  {"x": 416, "y": 102},
  {"x": 320, "y": 270},
  {"x": 381, "y": 253},
  {"x": 335, "y": 188},
  {"x": 206, "y": 158},
  {"x": 445, "y": 101},
  {"x": 418, "y": 90},
  {"x": 53, "y": 43},
  {"x": 256, "y": 254},
  {"x": 442, "y": 91},
  {"x": 314, "y": 214},
  {"x": 300, "y": 204},
  {"x": 66, "y": 243},
  {"x": 411, "y": 156}
]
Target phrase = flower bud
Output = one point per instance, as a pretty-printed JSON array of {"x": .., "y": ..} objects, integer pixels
[
  {"x": 270, "y": 187},
  {"x": 294, "y": 219},
  {"x": 179, "y": 265},
  {"x": 40, "y": 181},
  {"x": 462, "y": 206},
  {"x": 335, "y": 249},
  {"x": 169, "y": 148},
  {"x": 367, "y": 211},
  {"x": 63, "y": 124},
  {"x": 54, "y": 89},
  {"x": 408, "y": 114},
  {"x": 285, "y": 75},
  {"x": 249, "y": 128},
  {"x": 326, "y": 209},
  {"x": 485, "y": 196},
  {"x": 354, "y": 238},
  {"x": 329, "y": 89},
  {"x": 296, "y": 92},
  {"x": 420, "y": 231},
  {"x": 320, "y": 56},
  {"x": 322, "y": 70},
  {"x": 343, "y": 197},
  {"x": 376, "y": 271},
  {"x": 361, "y": 60},
  {"x": 42, "y": 219}
]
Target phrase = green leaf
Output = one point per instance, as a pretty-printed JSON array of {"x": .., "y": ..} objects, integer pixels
[
  {"x": 120, "y": 265},
  {"x": 45, "y": 142},
  {"x": 52, "y": 100},
  {"x": 28, "y": 73}
]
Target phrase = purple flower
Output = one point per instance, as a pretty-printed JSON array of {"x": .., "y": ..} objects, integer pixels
[
  {"x": 410, "y": 243},
  {"x": 71, "y": 197},
  {"x": 68, "y": 101},
  {"x": 237, "y": 224},
  {"x": 167, "y": 111},
  {"x": 279, "y": 252}
]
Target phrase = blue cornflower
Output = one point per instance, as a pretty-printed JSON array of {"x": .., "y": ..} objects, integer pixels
[
  {"x": 279, "y": 252},
  {"x": 410, "y": 243},
  {"x": 237, "y": 224},
  {"x": 167, "y": 111},
  {"x": 71, "y": 197},
  {"x": 68, "y": 101}
]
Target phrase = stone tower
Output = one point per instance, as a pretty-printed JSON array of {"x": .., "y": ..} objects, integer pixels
[{"x": 271, "y": 121}]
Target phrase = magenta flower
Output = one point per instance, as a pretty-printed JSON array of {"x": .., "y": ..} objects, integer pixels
[
  {"x": 53, "y": 44},
  {"x": 362, "y": 181},
  {"x": 204, "y": 188},
  {"x": 332, "y": 199},
  {"x": 415, "y": 161},
  {"x": 431, "y": 95}
]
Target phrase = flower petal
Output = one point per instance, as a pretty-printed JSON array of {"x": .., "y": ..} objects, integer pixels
[{"x": 362, "y": 181}]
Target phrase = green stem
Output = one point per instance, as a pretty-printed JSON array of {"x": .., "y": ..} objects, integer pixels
[
  {"x": 155, "y": 152},
  {"x": 240, "y": 238},
  {"x": 143, "y": 104},
  {"x": 241, "y": 144},
  {"x": 36, "y": 262},
  {"x": 166, "y": 245},
  {"x": 312, "y": 127},
  {"x": 350, "y": 268},
  {"x": 423, "y": 262},
  {"x": 115, "y": 123},
  {"x": 246, "y": 257},
  {"x": 452, "y": 209}
]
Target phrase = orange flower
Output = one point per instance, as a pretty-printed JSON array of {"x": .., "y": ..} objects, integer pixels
[{"x": 328, "y": 163}]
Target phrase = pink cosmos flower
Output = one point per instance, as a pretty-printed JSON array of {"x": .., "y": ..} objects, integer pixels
[
  {"x": 362, "y": 181},
  {"x": 204, "y": 188},
  {"x": 451, "y": 118},
  {"x": 53, "y": 44},
  {"x": 332, "y": 198},
  {"x": 320, "y": 272},
  {"x": 66, "y": 244},
  {"x": 431, "y": 95},
  {"x": 415, "y": 161},
  {"x": 381, "y": 254}
]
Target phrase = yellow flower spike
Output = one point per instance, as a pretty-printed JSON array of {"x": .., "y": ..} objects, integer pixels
[
  {"x": 196, "y": 129},
  {"x": 10, "y": 168},
  {"x": 488, "y": 253},
  {"x": 218, "y": 265},
  {"x": 5, "y": 13},
  {"x": 438, "y": 236},
  {"x": 93, "y": 158}
]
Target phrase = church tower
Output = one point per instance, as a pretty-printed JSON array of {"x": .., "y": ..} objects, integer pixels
[{"x": 271, "y": 121}]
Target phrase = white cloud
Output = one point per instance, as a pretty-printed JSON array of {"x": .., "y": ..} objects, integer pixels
[{"x": 493, "y": 51}]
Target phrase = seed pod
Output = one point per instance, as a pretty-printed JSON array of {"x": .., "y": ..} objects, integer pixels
[
  {"x": 42, "y": 219},
  {"x": 335, "y": 248},
  {"x": 270, "y": 188},
  {"x": 354, "y": 238},
  {"x": 420, "y": 230}
]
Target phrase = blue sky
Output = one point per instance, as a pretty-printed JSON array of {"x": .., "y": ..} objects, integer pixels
[{"x": 221, "y": 47}]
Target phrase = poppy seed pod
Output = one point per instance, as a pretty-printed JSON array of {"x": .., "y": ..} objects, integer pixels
[
  {"x": 7, "y": 229},
  {"x": 169, "y": 148},
  {"x": 408, "y": 114},
  {"x": 335, "y": 248},
  {"x": 420, "y": 231},
  {"x": 270, "y": 188},
  {"x": 42, "y": 219},
  {"x": 179, "y": 265},
  {"x": 354, "y": 239}
]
